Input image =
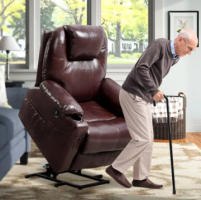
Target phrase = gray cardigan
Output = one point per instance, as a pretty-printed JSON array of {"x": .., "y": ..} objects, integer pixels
[{"x": 153, "y": 65}]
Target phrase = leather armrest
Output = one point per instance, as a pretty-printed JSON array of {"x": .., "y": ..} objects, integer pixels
[
  {"x": 55, "y": 105},
  {"x": 47, "y": 113},
  {"x": 108, "y": 96},
  {"x": 66, "y": 103}
]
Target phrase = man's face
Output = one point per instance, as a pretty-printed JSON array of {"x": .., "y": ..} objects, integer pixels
[{"x": 184, "y": 47}]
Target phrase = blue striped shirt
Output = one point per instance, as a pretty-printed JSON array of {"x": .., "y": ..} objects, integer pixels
[{"x": 173, "y": 50}]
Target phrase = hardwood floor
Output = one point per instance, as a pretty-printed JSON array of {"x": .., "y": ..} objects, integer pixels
[{"x": 190, "y": 138}]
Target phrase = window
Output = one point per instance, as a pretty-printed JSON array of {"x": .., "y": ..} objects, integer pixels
[
  {"x": 13, "y": 23},
  {"x": 25, "y": 20},
  {"x": 56, "y": 13},
  {"x": 126, "y": 25}
]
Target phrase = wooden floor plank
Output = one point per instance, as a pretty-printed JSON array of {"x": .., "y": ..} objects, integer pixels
[
  {"x": 197, "y": 136},
  {"x": 191, "y": 138},
  {"x": 174, "y": 141},
  {"x": 194, "y": 138},
  {"x": 187, "y": 136}
]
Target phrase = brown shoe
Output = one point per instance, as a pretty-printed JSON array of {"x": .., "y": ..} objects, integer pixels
[
  {"x": 146, "y": 183},
  {"x": 118, "y": 176}
]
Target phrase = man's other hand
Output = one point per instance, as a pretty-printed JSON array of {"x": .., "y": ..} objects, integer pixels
[{"x": 158, "y": 96}]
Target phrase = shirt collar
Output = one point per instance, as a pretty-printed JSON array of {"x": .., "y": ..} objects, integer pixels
[{"x": 173, "y": 50}]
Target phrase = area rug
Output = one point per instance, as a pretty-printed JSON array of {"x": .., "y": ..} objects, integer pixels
[{"x": 187, "y": 162}]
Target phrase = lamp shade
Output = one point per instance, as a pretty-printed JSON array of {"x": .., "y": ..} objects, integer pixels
[{"x": 9, "y": 43}]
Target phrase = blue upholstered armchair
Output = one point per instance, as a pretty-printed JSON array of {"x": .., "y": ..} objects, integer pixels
[{"x": 14, "y": 140}]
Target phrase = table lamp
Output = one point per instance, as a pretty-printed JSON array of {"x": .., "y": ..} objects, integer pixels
[{"x": 8, "y": 43}]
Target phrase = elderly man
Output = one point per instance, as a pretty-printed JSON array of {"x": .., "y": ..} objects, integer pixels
[{"x": 137, "y": 93}]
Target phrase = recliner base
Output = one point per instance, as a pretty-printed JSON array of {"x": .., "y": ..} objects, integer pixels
[{"x": 50, "y": 174}]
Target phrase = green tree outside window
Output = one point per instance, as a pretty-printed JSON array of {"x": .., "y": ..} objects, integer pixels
[
  {"x": 126, "y": 25},
  {"x": 13, "y": 22}
]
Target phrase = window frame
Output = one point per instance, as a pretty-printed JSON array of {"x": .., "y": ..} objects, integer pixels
[
  {"x": 28, "y": 72},
  {"x": 24, "y": 66},
  {"x": 151, "y": 35}
]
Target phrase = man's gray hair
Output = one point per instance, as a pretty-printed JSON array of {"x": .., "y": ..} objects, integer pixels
[{"x": 184, "y": 33}]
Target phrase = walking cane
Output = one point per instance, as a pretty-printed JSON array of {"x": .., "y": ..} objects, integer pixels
[{"x": 170, "y": 143}]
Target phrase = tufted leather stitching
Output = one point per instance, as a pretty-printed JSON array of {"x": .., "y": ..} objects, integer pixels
[{"x": 66, "y": 109}]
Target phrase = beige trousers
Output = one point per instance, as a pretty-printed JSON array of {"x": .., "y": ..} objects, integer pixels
[{"x": 138, "y": 152}]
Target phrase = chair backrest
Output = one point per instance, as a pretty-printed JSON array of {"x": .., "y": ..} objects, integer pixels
[
  {"x": 45, "y": 36},
  {"x": 74, "y": 56}
]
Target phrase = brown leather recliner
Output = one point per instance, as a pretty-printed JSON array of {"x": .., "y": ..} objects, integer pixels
[{"x": 73, "y": 113}]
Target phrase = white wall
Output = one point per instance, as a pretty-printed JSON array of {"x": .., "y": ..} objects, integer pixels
[
  {"x": 185, "y": 75},
  {"x": 29, "y": 84}
]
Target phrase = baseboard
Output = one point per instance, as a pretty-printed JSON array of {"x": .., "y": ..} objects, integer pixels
[{"x": 193, "y": 126}]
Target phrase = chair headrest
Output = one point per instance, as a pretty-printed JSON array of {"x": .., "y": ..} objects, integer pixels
[{"x": 84, "y": 42}]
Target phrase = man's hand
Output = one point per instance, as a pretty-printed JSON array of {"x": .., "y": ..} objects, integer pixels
[{"x": 158, "y": 96}]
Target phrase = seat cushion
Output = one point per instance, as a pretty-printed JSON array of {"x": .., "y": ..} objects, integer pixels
[
  {"x": 94, "y": 112},
  {"x": 10, "y": 120},
  {"x": 105, "y": 136}
]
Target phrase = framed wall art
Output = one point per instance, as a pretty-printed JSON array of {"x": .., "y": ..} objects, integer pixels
[{"x": 177, "y": 20}]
